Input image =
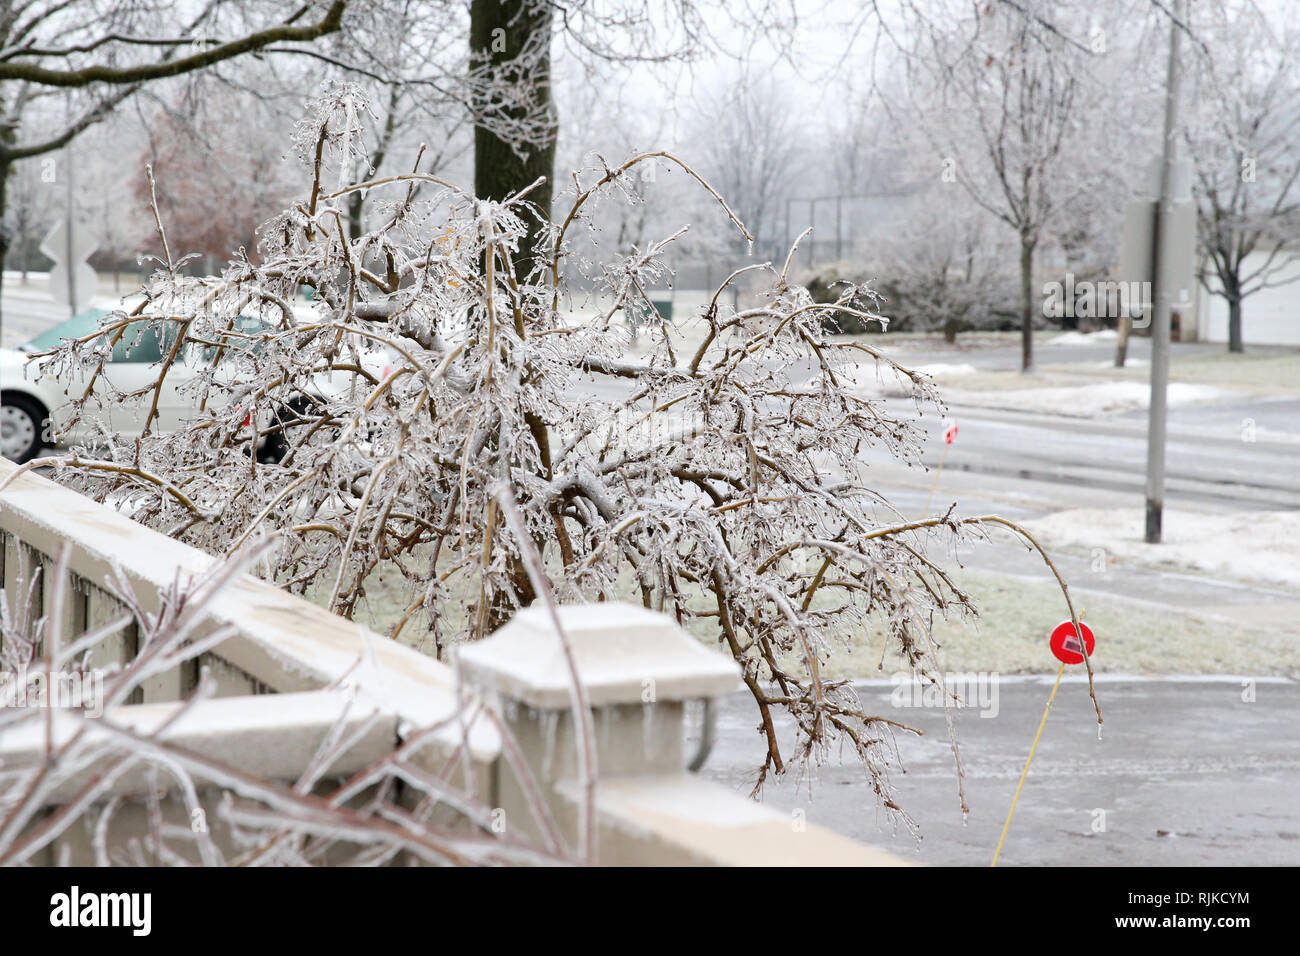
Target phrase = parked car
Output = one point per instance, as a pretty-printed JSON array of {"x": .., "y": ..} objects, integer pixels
[{"x": 34, "y": 407}]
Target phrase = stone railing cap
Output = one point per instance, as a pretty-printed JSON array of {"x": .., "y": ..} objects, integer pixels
[{"x": 619, "y": 649}]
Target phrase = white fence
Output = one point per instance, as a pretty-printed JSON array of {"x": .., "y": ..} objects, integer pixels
[{"x": 287, "y": 672}]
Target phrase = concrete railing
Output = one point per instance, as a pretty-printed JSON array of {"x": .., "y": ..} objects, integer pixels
[{"x": 638, "y": 668}]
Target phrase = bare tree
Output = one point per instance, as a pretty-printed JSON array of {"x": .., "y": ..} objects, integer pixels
[
  {"x": 865, "y": 157},
  {"x": 515, "y": 122},
  {"x": 601, "y": 118},
  {"x": 514, "y": 38},
  {"x": 30, "y": 207},
  {"x": 1243, "y": 136},
  {"x": 751, "y": 147},
  {"x": 208, "y": 142},
  {"x": 998, "y": 97},
  {"x": 946, "y": 267}
]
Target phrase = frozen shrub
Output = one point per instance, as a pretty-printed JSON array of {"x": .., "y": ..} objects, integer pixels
[{"x": 717, "y": 479}]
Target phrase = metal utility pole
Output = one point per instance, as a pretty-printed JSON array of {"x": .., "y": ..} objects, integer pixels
[
  {"x": 69, "y": 236},
  {"x": 1160, "y": 295}
]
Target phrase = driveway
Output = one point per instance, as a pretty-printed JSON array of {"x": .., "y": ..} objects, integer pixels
[{"x": 1186, "y": 773}]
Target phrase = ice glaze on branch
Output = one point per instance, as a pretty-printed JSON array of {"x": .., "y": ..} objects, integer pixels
[{"x": 288, "y": 32}]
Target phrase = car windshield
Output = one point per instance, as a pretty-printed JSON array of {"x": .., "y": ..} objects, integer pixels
[
  {"x": 81, "y": 324},
  {"x": 139, "y": 343},
  {"x": 143, "y": 342}
]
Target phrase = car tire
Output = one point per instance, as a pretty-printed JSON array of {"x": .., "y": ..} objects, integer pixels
[
  {"x": 276, "y": 445},
  {"x": 22, "y": 420}
]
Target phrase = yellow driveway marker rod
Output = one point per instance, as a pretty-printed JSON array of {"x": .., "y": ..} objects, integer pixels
[
  {"x": 949, "y": 435},
  {"x": 1025, "y": 773},
  {"x": 1032, "y": 750},
  {"x": 937, "y": 473}
]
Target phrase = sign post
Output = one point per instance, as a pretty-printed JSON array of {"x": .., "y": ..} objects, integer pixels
[{"x": 1162, "y": 299}]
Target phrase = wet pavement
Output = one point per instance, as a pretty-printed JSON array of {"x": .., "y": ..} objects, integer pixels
[{"x": 1187, "y": 772}]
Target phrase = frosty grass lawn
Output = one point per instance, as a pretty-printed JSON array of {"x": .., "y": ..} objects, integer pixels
[
  {"x": 1272, "y": 370},
  {"x": 1017, "y": 615},
  {"x": 1010, "y": 636},
  {"x": 1278, "y": 370}
]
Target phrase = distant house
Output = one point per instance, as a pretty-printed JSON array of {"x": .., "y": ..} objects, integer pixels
[{"x": 1270, "y": 316}]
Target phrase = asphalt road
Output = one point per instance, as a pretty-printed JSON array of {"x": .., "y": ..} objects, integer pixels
[
  {"x": 1023, "y": 465},
  {"x": 1186, "y": 773},
  {"x": 1207, "y": 461},
  {"x": 1022, "y": 459}
]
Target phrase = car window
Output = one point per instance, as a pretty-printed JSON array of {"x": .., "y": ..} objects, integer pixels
[
  {"x": 83, "y": 323},
  {"x": 143, "y": 342}
]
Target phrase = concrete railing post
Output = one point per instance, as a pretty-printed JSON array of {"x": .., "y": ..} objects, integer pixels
[{"x": 638, "y": 668}]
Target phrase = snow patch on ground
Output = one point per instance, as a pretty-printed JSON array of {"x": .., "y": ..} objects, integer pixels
[
  {"x": 1085, "y": 338},
  {"x": 941, "y": 369},
  {"x": 1256, "y": 546},
  {"x": 1110, "y": 363},
  {"x": 1085, "y": 401}
]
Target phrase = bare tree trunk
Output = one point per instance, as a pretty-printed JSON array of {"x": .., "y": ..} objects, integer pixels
[
  {"x": 513, "y": 37},
  {"x": 1235, "y": 343},
  {"x": 1026, "y": 304},
  {"x": 499, "y": 31}
]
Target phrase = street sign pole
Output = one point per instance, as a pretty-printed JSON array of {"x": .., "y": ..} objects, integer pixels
[{"x": 1161, "y": 298}]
